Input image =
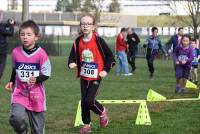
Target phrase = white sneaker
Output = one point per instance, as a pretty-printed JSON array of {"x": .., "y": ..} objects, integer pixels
[{"x": 129, "y": 74}]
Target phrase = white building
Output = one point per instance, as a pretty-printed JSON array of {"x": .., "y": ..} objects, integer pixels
[
  {"x": 4, "y": 5},
  {"x": 148, "y": 7},
  {"x": 134, "y": 7},
  {"x": 144, "y": 7},
  {"x": 34, "y": 5}
]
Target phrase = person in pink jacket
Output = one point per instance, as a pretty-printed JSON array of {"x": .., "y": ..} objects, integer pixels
[{"x": 31, "y": 67}]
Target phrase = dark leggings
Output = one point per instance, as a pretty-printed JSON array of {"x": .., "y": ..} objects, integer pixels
[
  {"x": 131, "y": 58},
  {"x": 151, "y": 54},
  {"x": 89, "y": 90}
]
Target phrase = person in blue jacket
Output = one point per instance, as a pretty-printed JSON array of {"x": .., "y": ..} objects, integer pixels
[
  {"x": 153, "y": 44},
  {"x": 174, "y": 41}
]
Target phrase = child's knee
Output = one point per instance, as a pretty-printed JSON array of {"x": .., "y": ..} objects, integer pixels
[
  {"x": 86, "y": 103},
  {"x": 18, "y": 123},
  {"x": 16, "y": 120},
  {"x": 89, "y": 102}
]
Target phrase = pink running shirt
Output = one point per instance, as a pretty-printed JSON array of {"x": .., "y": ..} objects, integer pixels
[{"x": 33, "y": 97}]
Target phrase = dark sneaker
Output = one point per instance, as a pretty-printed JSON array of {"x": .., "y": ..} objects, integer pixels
[
  {"x": 104, "y": 118},
  {"x": 196, "y": 82},
  {"x": 133, "y": 70},
  {"x": 85, "y": 129},
  {"x": 151, "y": 76},
  {"x": 177, "y": 89},
  {"x": 183, "y": 91}
]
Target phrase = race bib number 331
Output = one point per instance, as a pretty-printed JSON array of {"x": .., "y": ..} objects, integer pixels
[
  {"x": 89, "y": 70},
  {"x": 26, "y": 70}
]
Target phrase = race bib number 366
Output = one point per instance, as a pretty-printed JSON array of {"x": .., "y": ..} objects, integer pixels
[
  {"x": 26, "y": 70},
  {"x": 89, "y": 70}
]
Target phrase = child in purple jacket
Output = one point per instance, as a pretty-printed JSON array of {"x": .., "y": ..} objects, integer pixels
[{"x": 183, "y": 56}]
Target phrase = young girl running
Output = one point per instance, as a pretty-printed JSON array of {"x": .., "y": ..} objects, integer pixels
[
  {"x": 93, "y": 59},
  {"x": 31, "y": 67},
  {"x": 183, "y": 57}
]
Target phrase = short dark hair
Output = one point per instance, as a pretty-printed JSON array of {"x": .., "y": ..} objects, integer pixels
[
  {"x": 30, "y": 24},
  {"x": 123, "y": 29},
  {"x": 180, "y": 28},
  {"x": 193, "y": 39},
  {"x": 153, "y": 29}
]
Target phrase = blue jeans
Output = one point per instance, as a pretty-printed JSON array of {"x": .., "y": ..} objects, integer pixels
[{"x": 122, "y": 62}]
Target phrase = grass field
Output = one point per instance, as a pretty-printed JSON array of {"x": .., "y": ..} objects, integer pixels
[{"x": 63, "y": 94}]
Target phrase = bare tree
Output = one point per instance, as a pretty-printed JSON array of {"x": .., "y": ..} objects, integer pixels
[
  {"x": 95, "y": 6},
  {"x": 87, "y": 6},
  {"x": 114, "y": 6},
  {"x": 68, "y": 5},
  {"x": 192, "y": 8},
  {"x": 98, "y": 6}
]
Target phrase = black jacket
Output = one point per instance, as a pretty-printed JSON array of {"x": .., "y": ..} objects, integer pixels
[
  {"x": 133, "y": 44},
  {"x": 105, "y": 51},
  {"x": 173, "y": 42},
  {"x": 5, "y": 31}
]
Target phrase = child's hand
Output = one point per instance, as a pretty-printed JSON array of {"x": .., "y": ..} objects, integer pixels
[
  {"x": 177, "y": 62},
  {"x": 32, "y": 80},
  {"x": 9, "y": 87},
  {"x": 103, "y": 74},
  {"x": 72, "y": 65},
  {"x": 170, "y": 51},
  {"x": 133, "y": 39},
  {"x": 183, "y": 62}
]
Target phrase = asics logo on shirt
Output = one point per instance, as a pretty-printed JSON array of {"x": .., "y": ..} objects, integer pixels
[
  {"x": 27, "y": 66},
  {"x": 89, "y": 65}
]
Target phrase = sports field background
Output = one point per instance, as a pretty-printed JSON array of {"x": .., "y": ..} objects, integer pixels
[
  {"x": 61, "y": 46},
  {"x": 63, "y": 94}
]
